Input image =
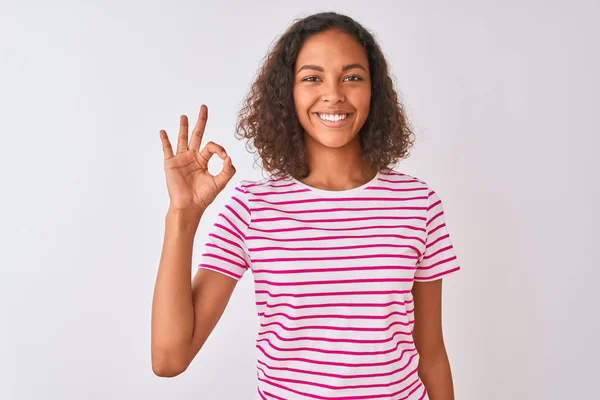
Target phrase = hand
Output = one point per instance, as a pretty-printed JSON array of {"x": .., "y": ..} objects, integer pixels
[{"x": 191, "y": 187}]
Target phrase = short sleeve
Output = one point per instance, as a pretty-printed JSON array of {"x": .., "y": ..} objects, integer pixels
[
  {"x": 225, "y": 250},
  {"x": 438, "y": 259}
]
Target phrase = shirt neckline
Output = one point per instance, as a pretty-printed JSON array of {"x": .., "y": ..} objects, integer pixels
[{"x": 334, "y": 193}]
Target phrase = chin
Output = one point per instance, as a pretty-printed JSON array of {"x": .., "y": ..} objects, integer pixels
[{"x": 329, "y": 139}]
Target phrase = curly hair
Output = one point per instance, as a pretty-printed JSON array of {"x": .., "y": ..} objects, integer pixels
[{"x": 268, "y": 118}]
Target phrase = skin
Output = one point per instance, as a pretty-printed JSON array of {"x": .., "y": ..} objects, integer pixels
[{"x": 332, "y": 75}]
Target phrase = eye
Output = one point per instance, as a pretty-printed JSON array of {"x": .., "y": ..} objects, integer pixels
[
  {"x": 354, "y": 78},
  {"x": 310, "y": 79}
]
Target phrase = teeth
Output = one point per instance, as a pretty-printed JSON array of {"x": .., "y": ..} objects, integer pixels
[{"x": 332, "y": 117}]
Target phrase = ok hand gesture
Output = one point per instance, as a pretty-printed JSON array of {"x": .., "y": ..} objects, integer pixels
[{"x": 191, "y": 187}]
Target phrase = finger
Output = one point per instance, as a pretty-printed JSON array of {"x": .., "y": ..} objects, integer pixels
[
  {"x": 210, "y": 149},
  {"x": 198, "y": 131},
  {"x": 182, "y": 139},
  {"x": 226, "y": 173},
  {"x": 166, "y": 144}
]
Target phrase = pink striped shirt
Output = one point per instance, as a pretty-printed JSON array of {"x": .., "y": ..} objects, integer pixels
[{"x": 333, "y": 273}]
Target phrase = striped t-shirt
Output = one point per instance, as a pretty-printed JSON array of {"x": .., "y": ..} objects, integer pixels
[{"x": 333, "y": 273}]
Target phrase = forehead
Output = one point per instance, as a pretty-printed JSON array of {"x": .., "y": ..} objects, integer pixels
[{"x": 331, "y": 48}]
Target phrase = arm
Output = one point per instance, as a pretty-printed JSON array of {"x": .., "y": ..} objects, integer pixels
[
  {"x": 434, "y": 366},
  {"x": 184, "y": 313}
]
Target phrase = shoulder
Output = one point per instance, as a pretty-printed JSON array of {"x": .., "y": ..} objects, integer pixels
[
  {"x": 405, "y": 184},
  {"x": 248, "y": 190},
  {"x": 256, "y": 186},
  {"x": 403, "y": 180}
]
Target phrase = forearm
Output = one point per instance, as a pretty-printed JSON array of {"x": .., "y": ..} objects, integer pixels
[
  {"x": 434, "y": 371},
  {"x": 172, "y": 307}
]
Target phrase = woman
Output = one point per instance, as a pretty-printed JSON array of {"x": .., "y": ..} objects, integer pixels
[{"x": 347, "y": 255}]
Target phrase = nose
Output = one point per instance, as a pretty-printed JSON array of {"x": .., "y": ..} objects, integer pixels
[{"x": 332, "y": 93}]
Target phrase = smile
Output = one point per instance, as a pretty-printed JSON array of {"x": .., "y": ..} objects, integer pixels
[
  {"x": 335, "y": 120},
  {"x": 332, "y": 117}
]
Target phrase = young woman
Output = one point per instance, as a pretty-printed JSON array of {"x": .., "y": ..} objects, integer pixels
[{"x": 347, "y": 254}]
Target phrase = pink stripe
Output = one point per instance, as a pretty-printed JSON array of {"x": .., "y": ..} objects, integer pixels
[
  {"x": 320, "y": 238},
  {"x": 443, "y": 249},
  {"x": 333, "y": 282},
  {"x": 273, "y": 396},
  {"x": 328, "y": 210},
  {"x": 313, "y": 396},
  {"x": 336, "y": 364},
  {"x": 232, "y": 233},
  {"x": 214, "y": 246},
  {"x": 282, "y": 192},
  {"x": 241, "y": 202},
  {"x": 280, "y": 186},
  {"x": 241, "y": 190},
  {"x": 359, "y": 257},
  {"x": 436, "y": 228},
  {"x": 358, "y": 228},
  {"x": 345, "y": 387},
  {"x": 264, "y": 184},
  {"x": 359, "y": 268},
  {"x": 444, "y": 261},
  {"x": 412, "y": 391},
  {"x": 391, "y": 172},
  {"x": 261, "y": 395},
  {"x": 231, "y": 242},
  {"x": 359, "y": 246},
  {"x": 400, "y": 181},
  {"x": 344, "y": 293},
  {"x": 340, "y": 199},
  {"x": 341, "y": 352},
  {"x": 339, "y": 316},
  {"x": 323, "y": 305},
  {"x": 395, "y": 189},
  {"x": 331, "y": 340},
  {"x": 437, "y": 203},
  {"x": 218, "y": 257},
  {"x": 437, "y": 240},
  {"x": 231, "y": 223},
  {"x": 338, "y": 328},
  {"x": 436, "y": 216},
  {"x": 426, "y": 278},
  {"x": 337, "y": 220},
  {"x": 235, "y": 212},
  {"x": 356, "y": 376}
]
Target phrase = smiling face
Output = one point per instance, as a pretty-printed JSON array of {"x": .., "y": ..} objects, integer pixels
[{"x": 332, "y": 88}]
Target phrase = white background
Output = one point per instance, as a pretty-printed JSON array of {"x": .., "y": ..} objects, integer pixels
[{"x": 503, "y": 97}]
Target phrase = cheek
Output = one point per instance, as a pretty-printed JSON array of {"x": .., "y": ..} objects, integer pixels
[
  {"x": 302, "y": 103},
  {"x": 363, "y": 103},
  {"x": 298, "y": 101},
  {"x": 366, "y": 98}
]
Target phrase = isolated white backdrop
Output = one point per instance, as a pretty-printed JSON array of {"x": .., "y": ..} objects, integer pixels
[{"x": 503, "y": 96}]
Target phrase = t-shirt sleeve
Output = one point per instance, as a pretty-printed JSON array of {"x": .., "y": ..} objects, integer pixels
[
  {"x": 225, "y": 250},
  {"x": 438, "y": 259}
]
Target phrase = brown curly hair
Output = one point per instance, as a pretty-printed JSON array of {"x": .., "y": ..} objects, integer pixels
[{"x": 268, "y": 117}]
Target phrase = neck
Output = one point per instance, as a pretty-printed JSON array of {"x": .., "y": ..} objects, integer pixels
[{"x": 340, "y": 168}]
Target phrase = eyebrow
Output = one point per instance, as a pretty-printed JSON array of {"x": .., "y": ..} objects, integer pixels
[{"x": 320, "y": 69}]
